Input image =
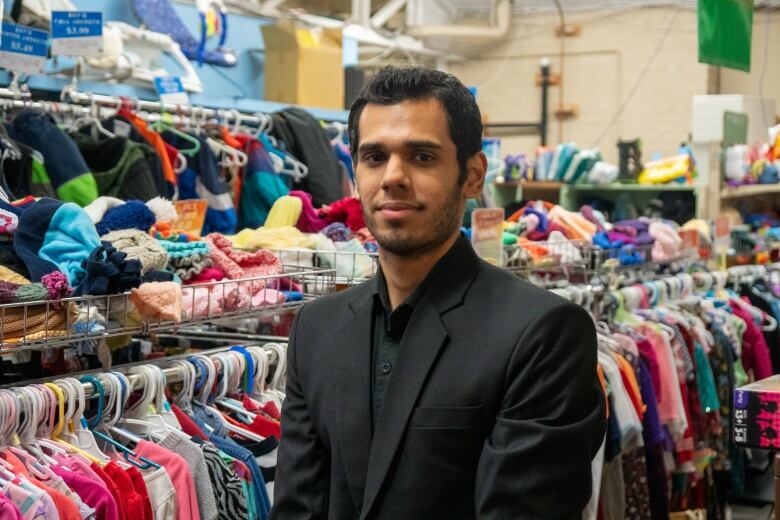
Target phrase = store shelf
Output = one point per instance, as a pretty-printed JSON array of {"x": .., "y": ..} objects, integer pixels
[
  {"x": 632, "y": 187},
  {"x": 44, "y": 324},
  {"x": 531, "y": 186},
  {"x": 751, "y": 190}
]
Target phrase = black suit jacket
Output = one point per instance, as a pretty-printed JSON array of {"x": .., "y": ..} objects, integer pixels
[{"x": 493, "y": 410}]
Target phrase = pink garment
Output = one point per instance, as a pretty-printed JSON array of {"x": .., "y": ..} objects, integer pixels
[
  {"x": 9, "y": 510},
  {"x": 670, "y": 407},
  {"x": 209, "y": 274},
  {"x": 240, "y": 264},
  {"x": 347, "y": 211},
  {"x": 93, "y": 494},
  {"x": 755, "y": 351},
  {"x": 180, "y": 474},
  {"x": 309, "y": 221},
  {"x": 30, "y": 501},
  {"x": 78, "y": 465}
]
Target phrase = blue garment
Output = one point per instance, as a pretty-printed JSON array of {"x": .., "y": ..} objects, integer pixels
[
  {"x": 542, "y": 218},
  {"x": 262, "y": 186},
  {"x": 65, "y": 166},
  {"x": 205, "y": 417},
  {"x": 201, "y": 180},
  {"x": 345, "y": 158}
]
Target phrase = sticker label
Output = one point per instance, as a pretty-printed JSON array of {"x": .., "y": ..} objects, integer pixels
[
  {"x": 191, "y": 215},
  {"x": 171, "y": 90},
  {"x": 23, "y": 49},
  {"x": 77, "y": 33}
]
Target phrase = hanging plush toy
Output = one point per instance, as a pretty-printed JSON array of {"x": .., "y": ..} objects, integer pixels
[{"x": 213, "y": 20}]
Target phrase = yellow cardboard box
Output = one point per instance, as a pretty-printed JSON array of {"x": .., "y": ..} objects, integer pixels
[{"x": 303, "y": 66}]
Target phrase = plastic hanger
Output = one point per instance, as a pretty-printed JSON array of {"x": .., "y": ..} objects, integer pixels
[{"x": 160, "y": 126}]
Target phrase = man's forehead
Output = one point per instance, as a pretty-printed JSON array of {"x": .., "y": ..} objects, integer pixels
[{"x": 409, "y": 120}]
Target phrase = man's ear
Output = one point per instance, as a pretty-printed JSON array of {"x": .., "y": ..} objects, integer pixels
[{"x": 476, "y": 168}]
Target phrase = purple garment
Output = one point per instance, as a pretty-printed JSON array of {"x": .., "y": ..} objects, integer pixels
[
  {"x": 621, "y": 239},
  {"x": 587, "y": 212},
  {"x": 639, "y": 229},
  {"x": 653, "y": 435},
  {"x": 542, "y": 218},
  {"x": 652, "y": 432}
]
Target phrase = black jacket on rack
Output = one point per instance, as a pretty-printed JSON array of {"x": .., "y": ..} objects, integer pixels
[
  {"x": 307, "y": 141},
  {"x": 493, "y": 409}
]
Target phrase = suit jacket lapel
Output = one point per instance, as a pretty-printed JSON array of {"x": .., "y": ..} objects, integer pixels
[
  {"x": 354, "y": 380},
  {"x": 419, "y": 349}
]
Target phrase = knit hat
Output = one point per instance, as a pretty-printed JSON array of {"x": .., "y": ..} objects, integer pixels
[
  {"x": 337, "y": 232},
  {"x": 667, "y": 242},
  {"x": 8, "y": 275},
  {"x": 22, "y": 323},
  {"x": 187, "y": 259},
  {"x": 132, "y": 215},
  {"x": 139, "y": 246},
  {"x": 109, "y": 272},
  {"x": 274, "y": 239},
  {"x": 164, "y": 210},
  {"x": 54, "y": 235},
  {"x": 347, "y": 211},
  {"x": 237, "y": 264},
  {"x": 158, "y": 301},
  {"x": 285, "y": 212},
  {"x": 309, "y": 221},
  {"x": 52, "y": 287},
  {"x": 98, "y": 207}
]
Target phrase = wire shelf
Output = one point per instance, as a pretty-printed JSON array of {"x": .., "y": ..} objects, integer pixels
[
  {"x": 351, "y": 268},
  {"x": 72, "y": 321},
  {"x": 530, "y": 257}
]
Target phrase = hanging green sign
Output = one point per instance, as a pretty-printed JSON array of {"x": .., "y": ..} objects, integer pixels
[{"x": 725, "y": 32}]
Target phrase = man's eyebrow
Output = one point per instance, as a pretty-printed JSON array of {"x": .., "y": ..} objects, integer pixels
[{"x": 415, "y": 145}]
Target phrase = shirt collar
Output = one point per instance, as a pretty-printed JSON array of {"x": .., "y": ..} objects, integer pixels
[{"x": 382, "y": 297}]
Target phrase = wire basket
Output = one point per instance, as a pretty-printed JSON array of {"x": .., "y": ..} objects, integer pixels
[{"x": 39, "y": 324}]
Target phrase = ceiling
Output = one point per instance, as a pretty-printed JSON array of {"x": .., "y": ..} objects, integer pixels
[{"x": 525, "y": 6}]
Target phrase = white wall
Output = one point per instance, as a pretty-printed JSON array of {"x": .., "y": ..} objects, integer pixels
[{"x": 602, "y": 67}]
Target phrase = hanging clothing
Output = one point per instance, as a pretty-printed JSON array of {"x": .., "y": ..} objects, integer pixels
[{"x": 307, "y": 141}]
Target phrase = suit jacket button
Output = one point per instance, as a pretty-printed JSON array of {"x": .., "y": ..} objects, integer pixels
[{"x": 386, "y": 368}]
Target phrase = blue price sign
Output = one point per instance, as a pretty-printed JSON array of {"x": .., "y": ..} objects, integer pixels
[
  {"x": 23, "y": 49},
  {"x": 77, "y": 33},
  {"x": 171, "y": 90},
  {"x": 76, "y": 24}
]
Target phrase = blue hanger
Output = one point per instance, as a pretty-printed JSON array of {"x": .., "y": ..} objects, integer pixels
[
  {"x": 98, "y": 387},
  {"x": 249, "y": 374}
]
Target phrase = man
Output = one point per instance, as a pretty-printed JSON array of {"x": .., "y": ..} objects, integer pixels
[{"x": 444, "y": 387}]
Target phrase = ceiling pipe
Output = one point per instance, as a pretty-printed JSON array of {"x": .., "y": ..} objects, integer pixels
[{"x": 501, "y": 19}]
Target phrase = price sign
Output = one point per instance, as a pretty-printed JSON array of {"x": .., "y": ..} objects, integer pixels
[
  {"x": 23, "y": 49},
  {"x": 690, "y": 241},
  {"x": 191, "y": 215},
  {"x": 171, "y": 90},
  {"x": 722, "y": 234},
  {"x": 487, "y": 234},
  {"x": 77, "y": 33}
]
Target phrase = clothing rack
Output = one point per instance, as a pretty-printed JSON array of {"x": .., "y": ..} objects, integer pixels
[{"x": 74, "y": 101}]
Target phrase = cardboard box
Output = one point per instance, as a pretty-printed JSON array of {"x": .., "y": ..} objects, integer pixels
[
  {"x": 757, "y": 414},
  {"x": 303, "y": 66}
]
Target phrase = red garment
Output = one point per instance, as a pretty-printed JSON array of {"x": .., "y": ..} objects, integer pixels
[
  {"x": 112, "y": 488},
  {"x": 755, "y": 351},
  {"x": 140, "y": 487},
  {"x": 132, "y": 501},
  {"x": 188, "y": 426},
  {"x": 262, "y": 426},
  {"x": 269, "y": 408},
  {"x": 347, "y": 211}
]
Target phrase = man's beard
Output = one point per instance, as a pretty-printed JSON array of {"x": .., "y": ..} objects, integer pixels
[{"x": 403, "y": 243}]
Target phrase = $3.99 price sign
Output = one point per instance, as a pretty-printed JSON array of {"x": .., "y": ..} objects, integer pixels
[
  {"x": 76, "y": 33},
  {"x": 23, "y": 49}
]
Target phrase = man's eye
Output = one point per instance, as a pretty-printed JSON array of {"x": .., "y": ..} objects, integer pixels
[
  {"x": 423, "y": 157},
  {"x": 374, "y": 157}
]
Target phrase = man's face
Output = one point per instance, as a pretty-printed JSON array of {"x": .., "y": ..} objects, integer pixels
[{"x": 407, "y": 176}]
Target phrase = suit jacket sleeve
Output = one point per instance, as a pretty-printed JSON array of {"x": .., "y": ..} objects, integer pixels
[
  {"x": 303, "y": 465},
  {"x": 536, "y": 463}
]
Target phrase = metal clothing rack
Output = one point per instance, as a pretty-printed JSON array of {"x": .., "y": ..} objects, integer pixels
[{"x": 44, "y": 324}]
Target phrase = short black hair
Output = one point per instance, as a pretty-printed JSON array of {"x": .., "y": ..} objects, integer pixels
[{"x": 392, "y": 85}]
